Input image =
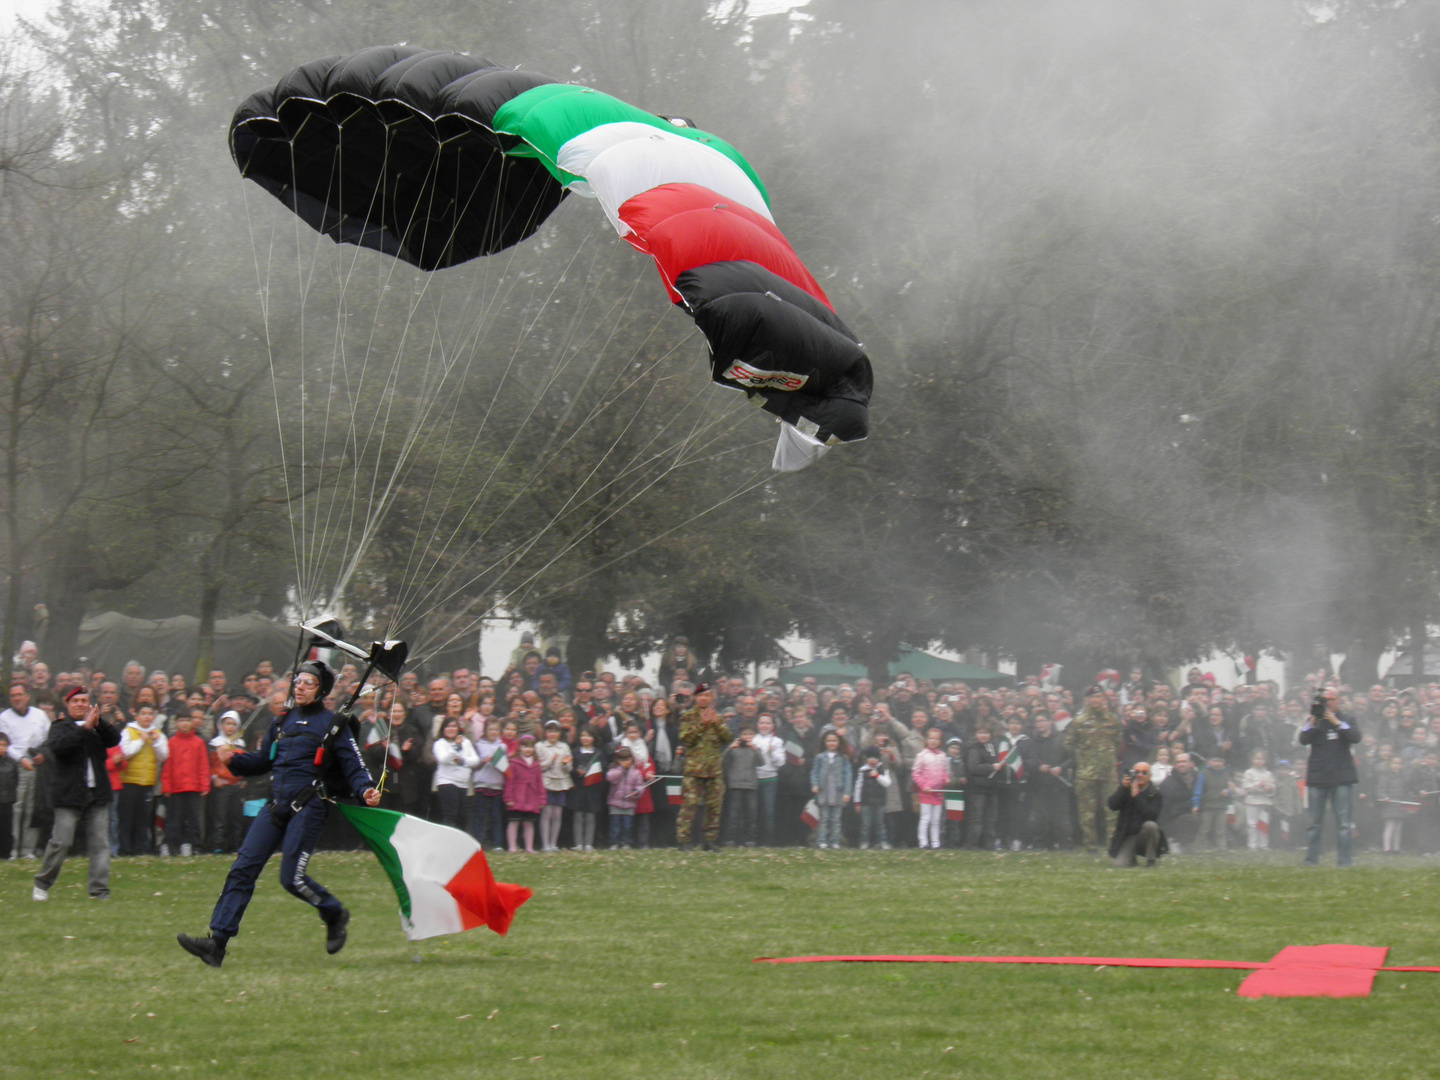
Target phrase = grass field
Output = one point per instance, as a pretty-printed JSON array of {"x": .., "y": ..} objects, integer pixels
[{"x": 639, "y": 964}]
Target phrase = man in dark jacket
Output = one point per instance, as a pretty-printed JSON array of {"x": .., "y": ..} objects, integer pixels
[
  {"x": 1137, "y": 803},
  {"x": 295, "y": 816},
  {"x": 80, "y": 790},
  {"x": 1050, "y": 786},
  {"x": 1330, "y": 775},
  {"x": 1180, "y": 810}
]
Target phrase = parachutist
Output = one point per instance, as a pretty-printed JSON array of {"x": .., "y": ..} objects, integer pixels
[{"x": 302, "y": 750}]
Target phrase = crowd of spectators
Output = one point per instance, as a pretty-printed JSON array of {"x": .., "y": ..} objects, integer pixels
[{"x": 540, "y": 759}]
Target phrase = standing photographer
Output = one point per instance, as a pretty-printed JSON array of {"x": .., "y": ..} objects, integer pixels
[
  {"x": 1137, "y": 802},
  {"x": 1330, "y": 776}
]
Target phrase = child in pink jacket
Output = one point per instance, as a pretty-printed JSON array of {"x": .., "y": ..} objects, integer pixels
[
  {"x": 930, "y": 774},
  {"x": 524, "y": 793},
  {"x": 627, "y": 782}
]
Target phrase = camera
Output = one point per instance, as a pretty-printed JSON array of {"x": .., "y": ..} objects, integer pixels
[
  {"x": 1129, "y": 775},
  {"x": 1317, "y": 707}
]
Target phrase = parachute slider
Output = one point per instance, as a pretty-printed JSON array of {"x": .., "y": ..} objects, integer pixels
[
  {"x": 388, "y": 657},
  {"x": 327, "y": 630}
]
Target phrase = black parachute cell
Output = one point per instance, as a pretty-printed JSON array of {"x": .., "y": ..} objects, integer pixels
[
  {"x": 773, "y": 339},
  {"x": 393, "y": 149}
]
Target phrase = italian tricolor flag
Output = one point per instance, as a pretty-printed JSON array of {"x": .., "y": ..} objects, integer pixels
[
  {"x": 673, "y": 790},
  {"x": 811, "y": 814},
  {"x": 954, "y": 806},
  {"x": 594, "y": 774},
  {"x": 794, "y": 753},
  {"x": 439, "y": 873},
  {"x": 499, "y": 760}
]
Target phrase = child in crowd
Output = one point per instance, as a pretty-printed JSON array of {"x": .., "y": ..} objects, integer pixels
[
  {"x": 645, "y": 804},
  {"x": 830, "y": 781},
  {"x": 555, "y": 760},
  {"x": 227, "y": 791},
  {"x": 185, "y": 780},
  {"x": 626, "y": 782},
  {"x": 487, "y": 808},
  {"x": 741, "y": 765},
  {"x": 587, "y": 797},
  {"x": 524, "y": 794},
  {"x": 872, "y": 782},
  {"x": 144, "y": 748},
  {"x": 1257, "y": 793},
  {"x": 931, "y": 775},
  {"x": 1214, "y": 803},
  {"x": 1392, "y": 796},
  {"x": 1160, "y": 767},
  {"x": 955, "y": 758},
  {"x": 772, "y": 753}
]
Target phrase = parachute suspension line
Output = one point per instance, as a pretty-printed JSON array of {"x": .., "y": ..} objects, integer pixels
[
  {"x": 567, "y": 348},
  {"x": 375, "y": 508},
  {"x": 540, "y": 465},
  {"x": 262, "y": 286},
  {"x": 758, "y": 478},
  {"x": 430, "y": 400},
  {"x": 434, "y": 557},
  {"x": 378, "y": 500},
  {"x": 586, "y": 530}
]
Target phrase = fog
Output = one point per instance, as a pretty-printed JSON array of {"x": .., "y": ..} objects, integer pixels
[{"x": 1147, "y": 287}]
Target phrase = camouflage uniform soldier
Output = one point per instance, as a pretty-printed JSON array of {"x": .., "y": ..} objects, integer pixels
[
  {"x": 1093, "y": 740},
  {"x": 704, "y": 736}
]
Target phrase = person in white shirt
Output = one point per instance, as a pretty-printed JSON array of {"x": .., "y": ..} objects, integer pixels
[
  {"x": 27, "y": 727},
  {"x": 455, "y": 760},
  {"x": 772, "y": 759}
]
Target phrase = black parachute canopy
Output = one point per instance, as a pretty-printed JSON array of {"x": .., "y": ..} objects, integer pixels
[{"x": 392, "y": 148}]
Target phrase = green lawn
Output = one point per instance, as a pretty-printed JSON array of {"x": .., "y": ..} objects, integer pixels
[{"x": 639, "y": 964}]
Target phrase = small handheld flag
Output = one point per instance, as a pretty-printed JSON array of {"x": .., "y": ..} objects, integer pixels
[
  {"x": 954, "y": 806},
  {"x": 500, "y": 761},
  {"x": 811, "y": 814},
  {"x": 594, "y": 774}
]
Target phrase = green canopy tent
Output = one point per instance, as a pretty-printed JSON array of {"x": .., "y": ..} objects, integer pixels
[{"x": 831, "y": 671}]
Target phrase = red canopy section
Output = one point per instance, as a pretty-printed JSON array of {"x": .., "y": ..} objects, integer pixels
[{"x": 682, "y": 226}]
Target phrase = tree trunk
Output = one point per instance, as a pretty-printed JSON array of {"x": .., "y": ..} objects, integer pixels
[
  {"x": 205, "y": 643},
  {"x": 588, "y": 638},
  {"x": 879, "y": 652}
]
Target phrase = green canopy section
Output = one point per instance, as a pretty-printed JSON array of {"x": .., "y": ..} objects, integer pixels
[
  {"x": 547, "y": 117},
  {"x": 831, "y": 671}
]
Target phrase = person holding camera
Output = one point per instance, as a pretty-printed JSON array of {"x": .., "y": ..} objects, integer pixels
[
  {"x": 1330, "y": 775},
  {"x": 1137, "y": 804}
]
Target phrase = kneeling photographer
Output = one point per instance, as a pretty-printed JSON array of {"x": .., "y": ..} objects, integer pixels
[{"x": 1138, "y": 803}]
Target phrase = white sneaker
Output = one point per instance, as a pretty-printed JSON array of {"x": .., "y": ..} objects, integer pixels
[
  {"x": 37, "y": 893},
  {"x": 185, "y": 850}
]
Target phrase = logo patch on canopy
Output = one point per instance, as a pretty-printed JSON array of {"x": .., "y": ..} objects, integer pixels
[{"x": 760, "y": 379}]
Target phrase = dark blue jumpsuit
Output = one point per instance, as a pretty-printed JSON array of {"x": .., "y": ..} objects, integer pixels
[{"x": 289, "y": 754}]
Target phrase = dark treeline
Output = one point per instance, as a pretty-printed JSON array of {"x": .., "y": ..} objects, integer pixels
[{"x": 1150, "y": 290}]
